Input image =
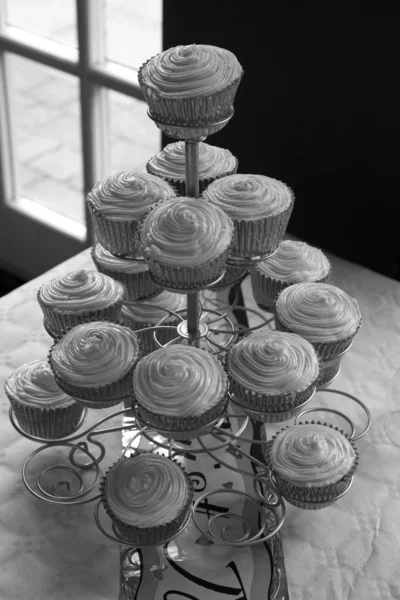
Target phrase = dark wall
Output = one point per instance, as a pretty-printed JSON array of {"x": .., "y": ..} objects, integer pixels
[{"x": 318, "y": 109}]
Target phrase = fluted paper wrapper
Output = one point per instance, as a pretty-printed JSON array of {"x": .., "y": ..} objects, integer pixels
[
  {"x": 267, "y": 289},
  {"x": 193, "y": 117},
  {"x": 96, "y": 397},
  {"x": 233, "y": 276},
  {"x": 256, "y": 237},
  {"x": 181, "y": 279},
  {"x": 139, "y": 286},
  {"x": 309, "y": 497},
  {"x": 180, "y": 185},
  {"x": 146, "y": 338},
  {"x": 264, "y": 403},
  {"x": 184, "y": 428},
  {"x": 148, "y": 536},
  {"x": 47, "y": 422},
  {"x": 121, "y": 238},
  {"x": 57, "y": 321},
  {"x": 324, "y": 350},
  {"x": 328, "y": 371}
]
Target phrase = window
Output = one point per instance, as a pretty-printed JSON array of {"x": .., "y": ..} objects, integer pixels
[{"x": 71, "y": 110}]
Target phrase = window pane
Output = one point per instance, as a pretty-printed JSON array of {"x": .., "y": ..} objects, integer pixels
[
  {"x": 134, "y": 137},
  {"x": 46, "y": 137},
  {"x": 133, "y": 31},
  {"x": 52, "y": 19}
]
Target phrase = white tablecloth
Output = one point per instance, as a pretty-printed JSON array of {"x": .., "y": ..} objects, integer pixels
[{"x": 348, "y": 551}]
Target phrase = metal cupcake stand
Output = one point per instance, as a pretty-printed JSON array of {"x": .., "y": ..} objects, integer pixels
[{"x": 75, "y": 481}]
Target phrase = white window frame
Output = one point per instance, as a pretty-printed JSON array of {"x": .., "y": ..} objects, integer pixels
[{"x": 95, "y": 77}]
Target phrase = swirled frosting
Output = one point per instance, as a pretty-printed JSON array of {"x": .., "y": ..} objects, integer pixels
[
  {"x": 95, "y": 354},
  {"x": 295, "y": 262},
  {"x": 81, "y": 291},
  {"x": 128, "y": 195},
  {"x": 114, "y": 263},
  {"x": 186, "y": 71},
  {"x": 34, "y": 384},
  {"x": 186, "y": 232},
  {"x": 146, "y": 490},
  {"x": 151, "y": 309},
  {"x": 249, "y": 196},
  {"x": 273, "y": 362},
  {"x": 312, "y": 455},
  {"x": 171, "y": 162},
  {"x": 179, "y": 380},
  {"x": 320, "y": 312}
]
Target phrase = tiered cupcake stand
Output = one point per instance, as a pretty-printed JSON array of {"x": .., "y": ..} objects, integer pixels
[{"x": 75, "y": 480}]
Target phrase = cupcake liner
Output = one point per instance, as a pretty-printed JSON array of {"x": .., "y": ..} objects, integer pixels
[
  {"x": 139, "y": 286},
  {"x": 324, "y": 350},
  {"x": 256, "y": 237},
  {"x": 118, "y": 237},
  {"x": 233, "y": 276},
  {"x": 148, "y": 536},
  {"x": 184, "y": 428},
  {"x": 269, "y": 403},
  {"x": 54, "y": 334},
  {"x": 57, "y": 320},
  {"x": 100, "y": 396},
  {"x": 329, "y": 370},
  {"x": 181, "y": 279},
  {"x": 274, "y": 417},
  {"x": 146, "y": 338},
  {"x": 45, "y": 422},
  {"x": 195, "y": 117},
  {"x": 310, "y": 496},
  {"x": 180, "y": 185},
  {"x": 267, "y": 289}
]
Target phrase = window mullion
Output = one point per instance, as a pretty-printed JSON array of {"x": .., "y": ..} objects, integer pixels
[
  {"x": 87, "y": 97},
  {"x": 7, "y": 162}
]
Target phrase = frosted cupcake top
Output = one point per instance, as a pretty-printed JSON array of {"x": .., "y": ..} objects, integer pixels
[
  {"x": 186, "y": 232},
  {"x": 80, "y": 291},
  {"x": 171, "y": 163},
  {"x": 179, "y": 381},
  {"x": 114, "y": 263},
  {"x": 187, "y": 71},
  {"x": 34, "y": 384},
  {"x": 146, "y": 490},
  {"x": 151, "y": 309},
  {"x": 295, "y": 262},
  {"x": 95, "y": 354},
  {"x": 249, "y": 196},
  {"x": 311, "y": 455},
  {"x": 273, "y": 362},
  {"x": 320, "y": 312},
  {"x": 128, "y": 195}
]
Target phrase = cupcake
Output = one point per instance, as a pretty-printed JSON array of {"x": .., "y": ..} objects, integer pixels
[
  {"x": 260, "y": 208},
  {"x": 170, "y": 164},
  {"x": 293, "y": 262},
  {"x": 180, "y": 391},
  {"x": 272, "y": 374},
  {"x": 148, "y": 498},
  {"x": 79, "y": 297},
  {"x": 321, "y": 313},
  {"x": 190, "y": 89},
  {"x": 147, "y": 313},
  {"x": 42, "y": 409},
  {"x": 186, "y": 244},
  {"x": 94, "y": 363},
  {"x": 311, "y": 463},
  {"x": 119, "y": 202},
  {"x": 133, "y": 274}
]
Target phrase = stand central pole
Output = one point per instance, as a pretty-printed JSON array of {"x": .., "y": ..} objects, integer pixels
[{"x": 192, "y": 190}]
